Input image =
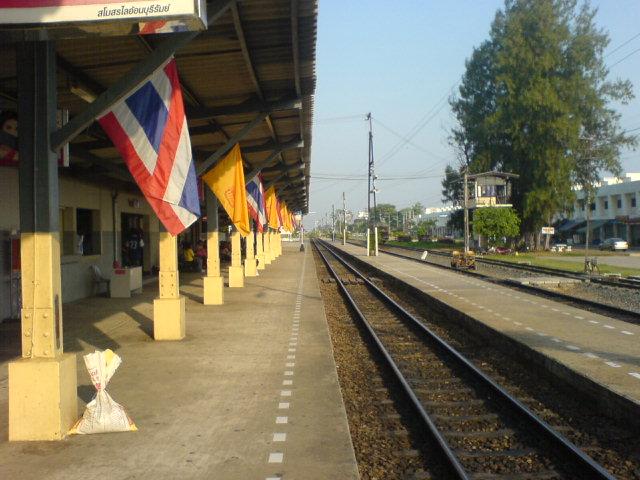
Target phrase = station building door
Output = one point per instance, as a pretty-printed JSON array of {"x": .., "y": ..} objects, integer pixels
[{"x": 134, "y": 240}]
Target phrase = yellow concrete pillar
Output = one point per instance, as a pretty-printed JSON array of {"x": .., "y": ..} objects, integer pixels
[
  {"x": 213, "y": 282},
  {"x": 278, "y": 244},
  {"x": 236, "y": 273},
  {"x": 169, "y": 308},
  {"x": 250, "y": 269},
  {"x": 43, "y": 403},
  {"x": 268, "y": 253},
  {"x": 43, "y": 384},
  {"x": 260, "y": 250}
]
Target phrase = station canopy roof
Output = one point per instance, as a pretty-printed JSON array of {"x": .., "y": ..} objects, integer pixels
[{"x": 257, "y": 56}]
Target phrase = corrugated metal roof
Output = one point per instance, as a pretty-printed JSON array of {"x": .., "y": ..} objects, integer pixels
[{"x": 215, "y": 72}]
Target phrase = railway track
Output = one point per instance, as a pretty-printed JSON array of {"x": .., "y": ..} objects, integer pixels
[
  {"x": 607, "y": 309},
  {"x": 482, "y": 431}
]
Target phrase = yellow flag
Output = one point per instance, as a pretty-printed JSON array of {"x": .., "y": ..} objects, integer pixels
[
  {"x": 226, "y": 181},
  {"x": 271, "y": 204},
  {"x": 283, "y": 216},
  {"x": 287, "y": 219}
]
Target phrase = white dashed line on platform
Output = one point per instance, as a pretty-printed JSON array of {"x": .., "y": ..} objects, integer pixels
[
  {"x": 276, "y": 457},
  {"x": 287, "y": 382},
  {"x": 557, "y": 340},
  {"x": 594, "y": 322},
  {"x": 626, "y": 332},
  {"x": 635, "y": 374},
  {"x": 578, "y": 317},
  {"x": 610, "y": 327},
  {"x": 613, "y": 364},
  {"x": 285, "y": 393},
  {"x": 590, "y": 355},
  {"x": 279, "y": 437},
  {"x": 283, "y": 405},
  {"x": 281, "y": 420},
  {"x": 572, "y": 347}
]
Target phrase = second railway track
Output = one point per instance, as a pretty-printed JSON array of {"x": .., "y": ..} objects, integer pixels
[
  {"x": 626, "y": 314},
  {"x": 482, "y": 430}
]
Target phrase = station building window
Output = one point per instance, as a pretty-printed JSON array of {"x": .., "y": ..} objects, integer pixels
[
  {"x": 633, "y": 202},
  {"x": 619, "y": 203},
  {"x": 606, "y": 204},
  {"x": 88, "y": 234}
]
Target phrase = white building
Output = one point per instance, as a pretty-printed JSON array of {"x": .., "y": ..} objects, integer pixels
[
  {"x": 441, "y": 216},
  {"x": 614, "y": 211}
]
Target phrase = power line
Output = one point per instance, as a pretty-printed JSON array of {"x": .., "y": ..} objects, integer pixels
[
  {"x": 423, "y": 122},
  {"x": 624, "y": 58},
  {"x": 344, "y": 118},
  {"x": 622, "y": 45},
  {"x": 409, "y": 142}
]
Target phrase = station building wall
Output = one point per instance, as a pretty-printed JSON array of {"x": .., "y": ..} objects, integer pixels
[{"x": 91, "y": 205}]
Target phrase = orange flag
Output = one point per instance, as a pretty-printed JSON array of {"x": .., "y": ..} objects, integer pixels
[
  {"x": 226, "y": 181},
  {"x": 271, "y": 203}
]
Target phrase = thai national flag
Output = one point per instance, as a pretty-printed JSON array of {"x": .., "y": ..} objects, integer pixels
[
  {"x": 255, "y": 202},
  {"x": 149, "y": 129},
  {"x": 161, "y": 26}
]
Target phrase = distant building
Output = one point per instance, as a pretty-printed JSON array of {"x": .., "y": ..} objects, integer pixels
[
  {"x": 614, "y": 212},
  {"x": 441, "y": 216},
  {"x": 362, "y": 214}
]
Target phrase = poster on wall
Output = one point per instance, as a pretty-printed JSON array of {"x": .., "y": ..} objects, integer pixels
[{"x": 145, "y": 16}]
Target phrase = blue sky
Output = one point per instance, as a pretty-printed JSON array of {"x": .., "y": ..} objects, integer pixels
[{"x": 399, "y": 61}]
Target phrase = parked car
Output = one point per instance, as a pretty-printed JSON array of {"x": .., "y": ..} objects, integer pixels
[{"x": 614, "y": 244}]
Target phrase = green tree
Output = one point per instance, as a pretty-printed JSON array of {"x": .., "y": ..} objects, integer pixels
[
  {"x": 535, "y": 100},
  {"x": 425, "y": 227},
  {"x": 496, "y": 223},
  {"x": 417, "y": 209},
  {"x": 452, "y": 188},
  {"x": 385, "y": 211}
]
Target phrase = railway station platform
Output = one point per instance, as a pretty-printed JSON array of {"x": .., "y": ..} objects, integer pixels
[
  {"x": 586, "y": 348},
  {"x": 250, "y": 393}
]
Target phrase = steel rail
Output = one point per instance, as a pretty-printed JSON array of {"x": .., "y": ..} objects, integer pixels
[
  {"x": 452, "y": 458},
  {"x": 572, "y": 451},
  {"x": 611, "y": 309}
]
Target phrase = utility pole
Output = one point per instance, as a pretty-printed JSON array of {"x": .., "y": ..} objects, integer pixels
[
  {"x": 372, "y": 176},
  {"x": 333, "y": 223},
  {"x": 344, "y": 219},
  {"x": 465, "y": 187}
]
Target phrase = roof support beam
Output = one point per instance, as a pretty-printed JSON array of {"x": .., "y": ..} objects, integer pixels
[
  {"x": 205, "y": 113},
  {"x": 86, "y": 156},
  {"x": 270, "y": 183},
  {"x": 237, "y": 23},
  {"x": 132, "y": 79},
  {"x": 274, "y": 154},
  {"x": 215, "y": 157}
]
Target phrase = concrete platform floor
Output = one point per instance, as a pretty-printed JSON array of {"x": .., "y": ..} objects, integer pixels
[
  {"x": 601, "y": 348},
  {"x": 251, "y": 393}
]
